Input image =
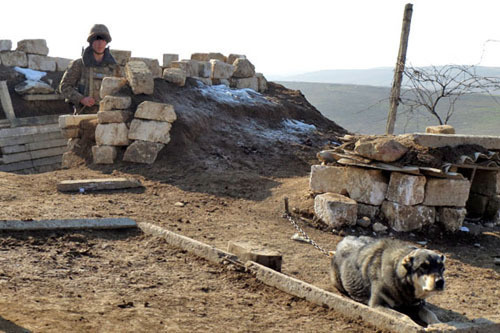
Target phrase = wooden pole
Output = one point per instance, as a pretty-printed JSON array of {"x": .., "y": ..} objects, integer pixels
[{"x": 400, "y": 67}]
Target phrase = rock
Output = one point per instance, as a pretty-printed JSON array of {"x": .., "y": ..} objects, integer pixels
[
  {"x": 33, "y": 88},
  {"x": 476, "y": 204},
  {"x": 114, "y": 116},
  {"x": 245, "y": 83},
  {"x": 224, "y": 82},
  {"x": 175, "y": 75},
  {"x": 139, "y": 77},
  {"x": 111, "y": 85},
  {"x": 104, "y": 154},
  {"x": 208, "y": 56},
  {"x": 206, "y": 81},
  {"x": 368, "y": 211},
  {"x": 451, "y": 218},
  {"x": 232, "y": 57},
  {"x": 406, "y": 189},
  {"x": 379, "y": 227},
  {"x": 262, "y": 82},
  {"x": 366, "y": 185},
  {"x": 380, "y": 149},
  {"x": 14, "y": 58},
  {"x": 326, "y": 178},
  {"x": 246, "y": 250},
  {"x": 335, "y": 209},
  {"x": 243, "y": 68},
  {"x": 61, "y": 63},
  {"x": 121, "y": 56},
  {"x": 486, "y": 183},
  {"x": 446, "y": 192},
  {"x": 168, "y": 58},
  {"x": 71, "y": 160},
  {"x": 142, "y": 152},
  {"x": 33, "y": 46},
  {"x": 67, "y": 120},
  {"x": 407, "y": 218},
  {"x": 150, "y": 130},
  {"x": 109, "y": 103},
  {"x": 41, "y": 63},
  {"x": 5, "y": 45},
  {"x": 441, "y": 129},
  {"x": 71, "y": 132},
  {"x": 493, "y": 209},
  {"x": 221, "y": 70},
  {"x": 204, "y": 69},
  {"x": 364, "y": 222},
  {"x": 115, "y": 134},
  {"x": 156, "y": 111},
  {"x": 190, "y": 67},
  {"x": 179, "y": 204},
  {"x": 153, "y": 65}
]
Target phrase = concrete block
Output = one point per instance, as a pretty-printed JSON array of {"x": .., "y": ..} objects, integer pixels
[
  {"x": 365, "y": 185},
  {"x": 61, "y": 63},
  {"x": 380, "y": 149},
  {"x": 451, "y": 218},
  {"x": 246, "y": 250},
  {"x": 97, "y": 184},
  {"x": 142, "y": 152},
  {"x": 67, "y": 120},
  {"x": 476, "y": 204},
  {"x": 335, "y": 209},
  {"x": 446, "y": 192},
  {"x": 453, "y": 140},
  {"x": 33, "y": 46},
  {"x": 232, "y": 57},
  {"x": 168, "y": 58},
  {"x": 245, "y": 83},
  {"x": 441, "y": 129},
  {"x": 109, "y": 103},
  {"x": 150, "y": 130},
  {"x": 221, "y": 70},
  {"x": 243, "y": 68},
  {"x": 156, "y": 111},
  {"x": 262, "y": 82},
  {"x": 41, "y": 63},
  {"x": 406, "y": 189},
  {"x": 176, "y": 76},
  {"x": 114, "y": 116},
  {"x": 111, "y": 85},
  {"x": 14, "y": 58},
  {"x": 368, "y": 211},
  {"x": 407, "y": 218},
  {"x": 5, "y": 45},
  {"x": 326, "y": 178},
  {"x": 153, "y": 65},
  {"x": 121, "y": 56},
  {"x": 204, "y": 69},
  {"x": 104, "y": 154},
  {"x": 486, "y": 182},
  {"x": 139, "y": 77},
  {"x": 115, "y": 134}
]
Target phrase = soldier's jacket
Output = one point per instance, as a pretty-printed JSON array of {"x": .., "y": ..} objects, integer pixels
[{"x": 84, "y": 77}]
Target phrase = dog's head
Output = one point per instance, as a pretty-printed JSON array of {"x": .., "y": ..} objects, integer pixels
[{"x": 425, "y": 268}]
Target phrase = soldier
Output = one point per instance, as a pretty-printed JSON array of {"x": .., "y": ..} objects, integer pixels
[{"x": 82, "y": 80}]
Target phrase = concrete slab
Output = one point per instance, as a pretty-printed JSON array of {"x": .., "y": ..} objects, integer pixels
[
  {"x": 105, "y": 223},
  {"x": 48, "y": 97},
  {"x": 20, "y": 131},
  {"x": 452, "y": 140},
  {"x": 97, "y": 184}
]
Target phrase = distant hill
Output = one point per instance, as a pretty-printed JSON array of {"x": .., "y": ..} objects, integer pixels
[{"x": 363, "y": 109}]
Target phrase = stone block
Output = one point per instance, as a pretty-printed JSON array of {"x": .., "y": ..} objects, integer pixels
[
  {"x": 139, "y": 77},
  {"x": 14, "y": 58},
  {"x": 245, "y": 83},
  {"x": 109, "y": 103},
  {"x": 380, "y": 149},
  {"x": 115, "y": 134},
  {"x": 156, "y": 111},
  {"x": 5, "y": 45},
  {"x": 246, "y": 250},
  {"x": 446, "y": 192},
  {"x": 150, "y": 130},
  {"x": 204, "y": 69},
  {"x": 365, "y": 185},
  {"x": 232, "y": 57},
  {"x": 121, "y": 56},
  {"x": 168, "y": 58},
  {"x": 104, "y": 154},
  {"x": 326, "y": 178},
  {"x": 221, "y": 70},
  {"x": 262, "y": 82},
  {"x": 71, "y": 132},
  {"x": 61, "y": 63},
  {"x": 243, "y": 68},
  {"x": 142, "y": 152},
  {"x": 441, "y": 129},
  {"x": 67, "y": 120},
  {"x": 335, "y": 209},
  {"x": 476, "y": 204},
  {"x": 224, "y": 82},
  {"x": 493, "y": 209},
  {"x": 217, "y": 56},
  {"x": 114, "y": 116},
  {"x": 407, "y": 218},
  {"x": 111, "y": 85},
  {"x": 406, "y": 189},
  {"x": 486, "y": 182},
  {"x": 191, "y": 67},
  {"x": 451, "y": 218},
  {"x": 41, "y": 63},
  {"x": 33, "y": 46},
  {"x": 200, "y": 56},
  {"x": 206, "y": 81},
  {"x": 368, "y": 211},
  {"x": 176, "y": 76},
  {"x": 453, "y": 140},
  {"x": 153, "y": 65}
]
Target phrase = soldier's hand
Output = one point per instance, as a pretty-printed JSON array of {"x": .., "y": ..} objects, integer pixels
[{"x": 88, "y": 101}]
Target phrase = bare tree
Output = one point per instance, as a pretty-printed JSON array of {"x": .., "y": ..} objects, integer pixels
[{"x": 425, "y": 88}]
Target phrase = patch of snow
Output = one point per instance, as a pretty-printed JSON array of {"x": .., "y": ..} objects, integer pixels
[
  {"x": 290, "y": 131},
  {"x": 30, "y": 74},
  {"x": 224, "y": 94},
  {"x": 464, "y": 229},
  {"x": 293, "y": 125}
]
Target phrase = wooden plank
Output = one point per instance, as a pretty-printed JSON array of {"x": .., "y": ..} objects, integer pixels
[
  {"x": 97, "y": 184},
  {"x": 18, "y": 157},
  {"x": 35, "y": 154},
  {"x": 16, "y": 166},
  {"x": 104, "y": 223},
  {"x": 48, "y": 97},
  {"x": 33, "y": 121},
  {"x": 30, "y": 138},
  {"x": 47, "y": 144},
  {"x": 19, "y": 131},
  {"x": 6, "y": 101},
  {"x": 13, "y": 149},
  {"x": 47, "y": 160}
]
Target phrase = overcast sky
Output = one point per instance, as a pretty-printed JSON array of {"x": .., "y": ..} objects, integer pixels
[{"x": 278, "y": 36}]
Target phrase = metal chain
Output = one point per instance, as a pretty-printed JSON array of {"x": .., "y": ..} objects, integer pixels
[{"x": 313, "y": 243}]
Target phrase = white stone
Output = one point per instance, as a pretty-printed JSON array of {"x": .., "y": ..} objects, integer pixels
[
  {"x": 14, "y": 58},
  {"x": 335, "y": 210},
  {"x": 139, "y": 77},
  {"x": 104, "y": 154},
  {"x": 121, "y": 56},
  {"x": 156, "y": 111},
  {"x": 441, "y": 129},
  {"x": 406, "y": 189},
  {"x": 221, "y": 70},
  {"x": 5, "y": 45},
  {"x": 383, "y": 149},
  {"x": 326, "y": 178},
  {"x": 142, "y": 152},
  {"x": 111, "y": 85},
  {"x": 153, "y": 65},
  {"x": 451, "y": 218},
  {"x": 109, "y": 103},
  {"x": 115, "y": 134},
  {"x": 243, "y": 68},
  {"x": 61, "y": 63},
  {"x": 150, "y": 130},
  {"x": 250, "y": 83},
  {"x": 114, "y": 116},
  {"x": 446, "y": 192},
  {"x": 41, "y": 63},
  {"x": 175, "y": 75},
  {"x": 232, "y": 57},
  {"x": 407, "y": 218},
  {"x": 33, "y": 46},
  {"x": 365, "y": 185},
  {"x": 67, "y": 120},
  {"x": 168, "y": 58}
]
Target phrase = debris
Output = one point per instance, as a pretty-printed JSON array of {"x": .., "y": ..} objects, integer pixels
[
  {"x": 299, "y": 238},
  {"x": 379, "y": 227},
  {"x": 179, "y": 204}
]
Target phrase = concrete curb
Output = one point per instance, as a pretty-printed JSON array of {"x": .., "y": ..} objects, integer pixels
[{"x": 105, "y": 223}]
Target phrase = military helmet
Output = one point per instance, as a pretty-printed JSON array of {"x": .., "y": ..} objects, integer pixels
[{"x": 99, "y": 30}]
